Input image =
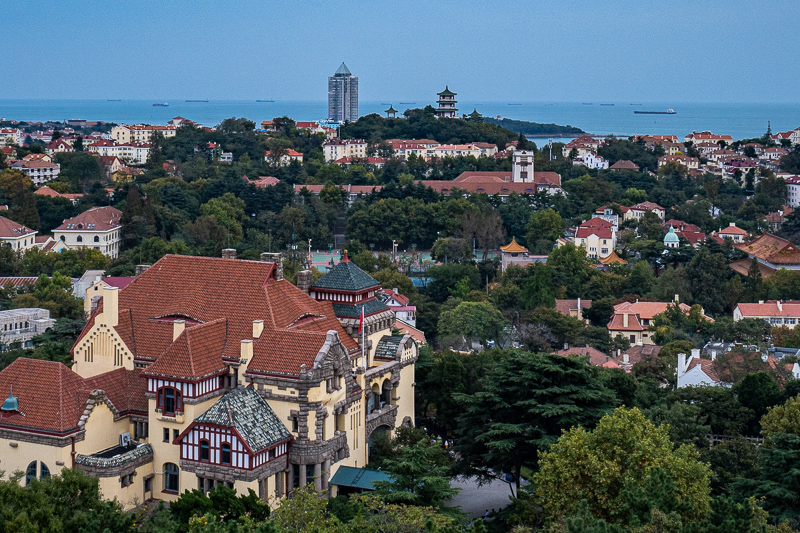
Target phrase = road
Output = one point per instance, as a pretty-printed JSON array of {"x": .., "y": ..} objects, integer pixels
[{"x": 474, "y": 500}]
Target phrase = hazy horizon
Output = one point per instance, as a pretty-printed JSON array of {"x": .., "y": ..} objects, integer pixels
[{"x": 543, "y": 51}]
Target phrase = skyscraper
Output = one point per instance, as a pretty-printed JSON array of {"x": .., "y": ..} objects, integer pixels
[{"x": 343, "y": 95}]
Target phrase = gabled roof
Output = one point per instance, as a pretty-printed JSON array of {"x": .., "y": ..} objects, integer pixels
[
  {"x": 624, "y": 164},
  {"x": 771, "y": 248},
  {"x": 346, "y": 276},
  {"x": 125, "y": 389},
  {"x": 514, "y": 247},
  {"x": 195, "y": 354},
  {"x": 12, "y": 230},
  {"x": 732, "y": 230},
  {"x": 596, "y": 357},
  {"x": 565, "y": 306},
  {"x": 647, "y": 206},
  {"x": 94, "y": 219},
  {"x": 249, "y": 414}
]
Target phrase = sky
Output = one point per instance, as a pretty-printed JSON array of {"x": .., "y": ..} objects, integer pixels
[{"x": 537, "y": 50}]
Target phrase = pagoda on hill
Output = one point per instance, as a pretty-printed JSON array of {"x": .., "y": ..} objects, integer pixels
[
  {"x": 391, "y": 112},
  {"x": 447, "y": 104}
]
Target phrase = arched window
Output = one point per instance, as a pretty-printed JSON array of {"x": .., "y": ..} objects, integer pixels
[
  {"x": 79, "y": 239},
  {"x": 225, "y": 457},
  {"x": 171, "y": 477},
  {"x": 44, "y": 471},
  {"x": 96, "y": 238},
  {"x": 63, "y": 239},
  {"x": 30, "y": 473},
  {"x": 204, "y": 450},
  {"x": 169, "y": 400}
]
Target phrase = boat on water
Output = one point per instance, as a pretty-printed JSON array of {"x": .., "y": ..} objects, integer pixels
[
  {"x": 514, "y": 104},
  {"x": 636, "y": 104},
  {"x": 202, "y": 101},
  {"x": 669, "y": 111},
  {"x": 587, "y": 103},
  {"x": 607, "y": 105},
  {"x": 268, "y": 101},
  {"x": 114, "y": 100},
  {"x": 407, "y": 103},
  {"x": 161, "y": 105}
]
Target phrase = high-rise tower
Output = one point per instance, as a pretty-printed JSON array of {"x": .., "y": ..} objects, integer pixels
[{"x": 343, "y": 95}]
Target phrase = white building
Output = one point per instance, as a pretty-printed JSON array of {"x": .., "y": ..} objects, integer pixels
[
  {"x": 523, "y": 165},
  {"x": 10, "y": 136},
  {"x": 793, "y": 191},
  {"x": 38, "y": 171},
  {"x": 400, "y": 305},
  {"x": 338, "y": 148},
  {"x": 99, "y": 228},
  {"x": 19, "y": 326},
  {"x": 776, "y": 312},
  {"x": 134, "y": 153},
  {"x": 591, "y": 160},
  {"x": 140, "y": 133},
  {"x": 15, "y": 235}
]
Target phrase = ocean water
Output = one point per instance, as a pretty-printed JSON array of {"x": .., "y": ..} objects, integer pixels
[{"x": 740, "y": 120}]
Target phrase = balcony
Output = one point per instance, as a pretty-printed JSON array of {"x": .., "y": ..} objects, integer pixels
[{"x": 115, "y": 461}]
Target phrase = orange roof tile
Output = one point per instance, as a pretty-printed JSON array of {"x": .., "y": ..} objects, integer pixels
[{"x": 514, "y": 247}]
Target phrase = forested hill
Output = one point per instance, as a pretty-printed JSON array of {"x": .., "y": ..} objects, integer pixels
[
  {"x": 534, "y": 128},
  {"x": 423, "y": 124}
]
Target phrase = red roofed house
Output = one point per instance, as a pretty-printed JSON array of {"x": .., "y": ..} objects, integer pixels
[
  {"x": 58, "y": 146},
  {"x": 338, "y": 148},
  {"x": 691, "y": 163},
  {"x": 582, "y": 145},
  {"x": 38, "y": 171},
  {"x": 573, "y": 308},
  {"x": 597, "y": 236},
  {"x": 776, "y": 312},
  {"x": 286, "y": 158},
  {"x": 99, "y": 228},
  {"x": 635, "y": 212},
  {"x": 17, "y": 236},
  {"x": 733, "y": 233},
  {"x": 399, "y": 304},
  {"x": 631, "y": 320},
  {"x": 596, "y": 357},
  {"x": 262, "y": 182},
  {"x": 624, "y": 164},
  {"x": 696, "y": 371},
  {"x": 51, "y": 193},
  {"x": 249, "y": 382},
  {"x": 707, "y": 136}
]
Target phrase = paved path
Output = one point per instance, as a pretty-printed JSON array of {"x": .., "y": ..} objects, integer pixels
[{"x": 474, "y": 500}]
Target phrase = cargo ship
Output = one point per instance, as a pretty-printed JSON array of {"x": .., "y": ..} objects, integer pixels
[
  {"x": 161, "y": 105},
  {"x": 669, "y": 111}
]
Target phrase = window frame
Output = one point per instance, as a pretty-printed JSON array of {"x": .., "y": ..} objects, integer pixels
[
  {"x": 222, "y": 452},
  {"x": 207, "y": 450}
]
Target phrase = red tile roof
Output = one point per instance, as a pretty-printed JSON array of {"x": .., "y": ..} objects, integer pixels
[
  {"x": 769, "y": 308},
  {"x": 195, "y": 354},
  {"x": 11, "y": 230},
  {"x": 772, "y": 249},
  {"x": 732, "y": 230},
  {"x": 624, "y": 164},
  {"x": 47, "y": 191},
  {"x": 596, "y": 357},
  {"x": 565, "y": 306},
  {"x": 600, "y": 232},
  {"x": 119, "y": 281},
  {"x": 204, "y": 289},
  {"x": 647, "y": 206},
  {"x": 94, "y": 219},
  {"x": 124, "y": 389}
]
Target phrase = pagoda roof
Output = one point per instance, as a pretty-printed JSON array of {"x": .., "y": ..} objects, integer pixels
[
  {"x": 391, "y": 109},
  {"x": 346, "y": 276},
  {"x": 371, "y": 307},
  {"x": 513, "y": 246},
  {"x": 446, "y": 92},
  {"x": 612, "y": 259}
]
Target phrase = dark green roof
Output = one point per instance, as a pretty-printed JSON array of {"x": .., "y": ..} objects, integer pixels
[
  {"x": 346, "y": 276},
  {"x": 247, "y": 412},
  {"x": 360, "y": 478},
  {"x": 391, "y": 109},
  {"x": 354, "y": 311},
  {"x": 447, "y": 92},
  {"x": 387, "y": 346}
]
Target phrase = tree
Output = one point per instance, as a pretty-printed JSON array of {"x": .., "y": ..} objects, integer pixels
[
  {"x": 641, "y": 279},
  {"x": 451, "y": 249},
  {"x": 758, "y": 392},
  {"x": 521, "y": 407},
  {"x": 782, "y": 419},
  {"x": 137, "y": 221},
  {"x": 473, "y": 320},
  {"x": 305, "y": 511},
  {"x": 612, "y": 467},
  {"x": 730, "y": 460},
  {"x": 17, "y": 189},
  {"x": 419, "y": 476},
  {"x": 537, "y": 291},
  {"x": 543, "y": 229},
  {"x": 571, "y": 269}
]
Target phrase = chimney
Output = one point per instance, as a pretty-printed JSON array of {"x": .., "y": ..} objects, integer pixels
[
  {"x": 229, "y": 253},
  {"x": 764, "y": 357},
  {"x": 761, "y": 301},
  {"x": 780, "y": 306},
  {"x": 681, "y": 364},
  {"x": 245, "y": 356},
  {"x": 626, "y": 358},
  {"x": 278, "y": 260},
  {"x": 677, "y": 299},
  {"x": 111, "y": 306},
  {"x": 732, "y": 225},
  {"x": 395, "y": 290},
  {"x": 624, "y": 320},
  {"x": 258, "y": 328},
  {"x": 566, "y": 346},
  {"x": 177, "y": 328},
  {"x": 713, "y": 355},
  {"x": 304, "y": 279},
  {"x": 140, "y": 269},
  {"x": 696, "y": 353}
]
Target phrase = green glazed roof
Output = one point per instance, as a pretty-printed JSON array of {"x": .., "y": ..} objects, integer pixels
[
  {"x": 671, "y": 236},
  {"x": 361, "y": 478},
  {"x": 346, "y": 276},
  {"x": 354, "y": 311},
  {"x": 447, "y": 92}
]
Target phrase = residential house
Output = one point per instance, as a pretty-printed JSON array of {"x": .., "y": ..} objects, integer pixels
[
  {"x": 140, "y": 133},
  {"x": 776, "y": 312},
  {"x": 11, "y": 136},
  {"x": 697, "y": 371},
  {"x": 591, "y": 160},
  {"x": 597, "y": 236},
  {"x": 262, "y": 182},
  {"x": 38, "y": 171},
  {"x": 691, "y": 163},
  {"x": 707, "y": 136},
  {"x": 347, "y": 162},
  {"x": 573, "y": 308},
  {"x": 16, "y": 236},
  {"x": 126, "y": 175},
  {"x": 733, "y": 233},
  {"x": 403, "y": 148},
  {"x": 595, "y": 356},
  {"x": 690, "y": 232},
  {"x": 608, "y": 213},
  {"x": 776, "y": 219},
  {"x": 582, "y": 145},
  {"x": 637, "y": 211},
  {"x": 99, "y": 228},
  {"x": 632, "y": 320},
  {"x": 400, "y": 305},
  {"x": 771, "y": 252},
  {"x": 624, "y": 164},
  {"x": 338, "y": 148},
  {"x": 286, "y": 157},
  {"x": 58, "y": 146},
  {"x": 793, "y": 190}
]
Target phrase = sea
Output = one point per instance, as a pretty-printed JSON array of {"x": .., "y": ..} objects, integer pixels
[{"x": 740, "y": 120}]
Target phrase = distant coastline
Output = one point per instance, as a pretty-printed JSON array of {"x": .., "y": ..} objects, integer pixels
[{"x": 535, "y": 129}]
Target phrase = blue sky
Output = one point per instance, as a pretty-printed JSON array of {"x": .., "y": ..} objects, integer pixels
[{"x": 670, "y": 51}]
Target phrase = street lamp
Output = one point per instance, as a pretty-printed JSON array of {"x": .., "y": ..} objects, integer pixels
[
  {"x": 309, "y": 254},
  {"x": 394, "y": 254}
]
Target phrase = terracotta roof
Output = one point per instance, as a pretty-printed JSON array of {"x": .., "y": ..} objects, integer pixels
[
  {"x": 771, "y": 248},
  {"x": 17, "y": 281},
  {"x": 769, "y": 309},
  {"x": 618, "y": 323},
  {"x": 195, "y": 354},
  {"x": 408, "y": 329},
  {"x": 389, "y": 293},
  {"x": 203, "y": 290},
  {"x": 494, "y": 183},
  {"x": 647, "y": 206},
  {"x": 624, "y": 164},
  {"x": 11, "y": 230},
  {"x": 732, "y": 230},
  {"x": 514, "y": 247},
  {"x": 596, "y": 357},
  {"x": 94, "y": 219},
  {"x": 34, "y": 164},
  {"x": 47, "y": 191},
  {"x": 742, "y": 267},
  {"x": 638, "y": 352},
  {"x": 565, "y": 306},
  {"x": 706, "y": 365},
  {"x": 602, "y": 233},
  {"x": 119, "y": 281},
  {"x": 262, "y": 181},
  {"x": 124, "y": 388}
]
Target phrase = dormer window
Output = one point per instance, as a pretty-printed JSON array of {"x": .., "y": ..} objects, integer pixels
[{"x": 169, "y": 401}]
